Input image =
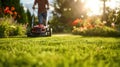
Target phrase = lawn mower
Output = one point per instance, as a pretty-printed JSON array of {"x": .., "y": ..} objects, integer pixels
[{"x": 36, "y": 31}]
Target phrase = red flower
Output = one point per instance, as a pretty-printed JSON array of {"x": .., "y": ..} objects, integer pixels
[
  {"x": 10, "y": 12},
  {"x": 75, "y": 22},
  {"x": 12, "y": 8},
  {"x": 6, "y": 10},
  {"x": 15, "y": 13}
]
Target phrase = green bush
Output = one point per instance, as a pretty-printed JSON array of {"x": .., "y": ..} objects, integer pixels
[
  {"x": 59, "y": 27},
  {"x": 19, "y": 30},
  {"x": 97, "y": 31},
  {"x": 94, "y": 27},
  {"x": 4, "y": 27},
  {"x": 8, "y": 27}
]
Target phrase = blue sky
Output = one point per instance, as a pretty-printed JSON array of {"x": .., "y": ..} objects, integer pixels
[
  {"x": 92, "y": 5},
  {"x": 26, "y": 1},
  {"x": 29, "y": 3}
]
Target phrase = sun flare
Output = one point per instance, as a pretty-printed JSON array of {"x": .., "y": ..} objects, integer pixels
[{"x": 95, "y": 7}]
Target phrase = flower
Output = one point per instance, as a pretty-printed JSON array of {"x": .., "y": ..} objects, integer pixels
[
  {"x": 15, "y": 13},
  {"x": 75, "y": 22},
  {"x": 88, "y": 20},
  {"x": 85, "y": 28},
  {"x": 104, "y": 22},
  {"x": 12, "y": 8},
  {"x": 81, "y": 29},
  {"x": 7, "y": 8},
  {"x": 113, "y": 25},
  {"x": 6, "y": 11},
  {"x": 10, "y": 12}
]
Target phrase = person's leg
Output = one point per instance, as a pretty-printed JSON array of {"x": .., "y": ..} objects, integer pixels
[
  {"x": 44, "y": 14},
  {"x": 40, "y": 19}
]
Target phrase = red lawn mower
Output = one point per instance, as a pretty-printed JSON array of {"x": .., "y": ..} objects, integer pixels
[{"x": 36, "y": 30}]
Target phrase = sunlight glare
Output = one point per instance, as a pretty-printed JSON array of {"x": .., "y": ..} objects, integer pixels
[
  {"x": 112, "y": 4},
  {"x": 93, "y": 7}
]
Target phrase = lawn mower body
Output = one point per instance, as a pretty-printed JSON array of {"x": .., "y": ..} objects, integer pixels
[{"x": 36, "y": 31}]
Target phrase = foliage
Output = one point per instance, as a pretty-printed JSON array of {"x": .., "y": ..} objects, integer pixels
[
  {"x": 117, "y": 15},
  {"x": 104, "y": 10},
  {"x": 20, "y": 30},
  {"x": 66, "y": 11},
  {"x": 98, "y": 31},
  {"x": 112, "y": 16},
  {"x": 94, "y": 27},
  {"x": 23, "y": 17},
  {"x": 60, "y": 51},
  {"x": 58, "y": 26},
  {"x": 19, "y": 9},
  {"x": 0, "y": 3},
  {"x": 4, "y": 28},
  {"x": 29, "y": 17},
  {"x": 69, "y": 9},
  {"x": 0, "y": 6},
  {"x": 8, "y": 27}
]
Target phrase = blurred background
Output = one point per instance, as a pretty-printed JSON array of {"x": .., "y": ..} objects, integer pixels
[{"x": 68, "y": 16}]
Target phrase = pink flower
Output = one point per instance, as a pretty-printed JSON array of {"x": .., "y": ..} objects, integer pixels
[{"x": 113, "y": 24}]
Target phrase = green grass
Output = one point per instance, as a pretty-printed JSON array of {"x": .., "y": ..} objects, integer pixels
[{"x": 60, "y": 51}]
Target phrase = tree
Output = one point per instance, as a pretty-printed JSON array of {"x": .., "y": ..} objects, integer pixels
[
  {"x": 111, "y": 16},
  {"x": 104, "y": 10},
  {"x": 69, "y": 10},
  {"x": 29, "y": 18},
  {"x": 22, "y": 18},
  {"x": 0, "y": 3},
  {"x": 118, "y": 17},
  {"x": 66, "y": 11},
  {"x": 0, "y": 8}
]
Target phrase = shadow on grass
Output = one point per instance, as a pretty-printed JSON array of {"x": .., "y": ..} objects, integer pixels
[{"x": 25, "y": 36}]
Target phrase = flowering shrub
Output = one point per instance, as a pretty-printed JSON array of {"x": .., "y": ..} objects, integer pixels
[
  {"x": 10, "y": 11},
  {"x": 8, "y": 27},
  {"x": 93, "y": 27},
  {"x": 76, "y": 22}
]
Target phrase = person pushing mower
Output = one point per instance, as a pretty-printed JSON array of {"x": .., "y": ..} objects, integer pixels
[
  {"x": 43, "y": 6},
  {"x": 41, "y": 29}
]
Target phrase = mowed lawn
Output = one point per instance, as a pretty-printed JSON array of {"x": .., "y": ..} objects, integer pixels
[{"x": 60, "y": 51}]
